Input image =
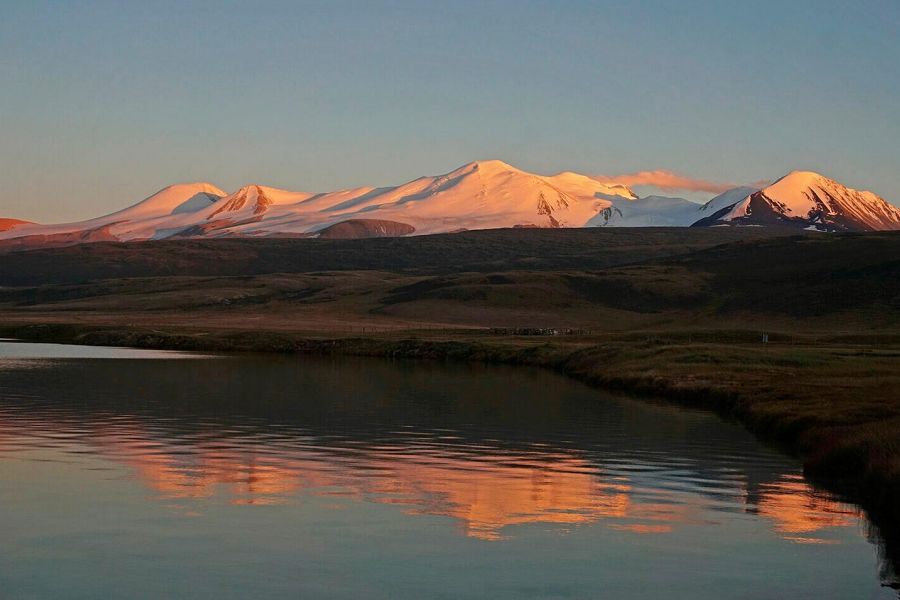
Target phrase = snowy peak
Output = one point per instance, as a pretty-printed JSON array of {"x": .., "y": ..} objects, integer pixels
[
  {"x": 609, "y": 191},
  {"x": 490, "y": 191},
  {"x": 174, "y": 199},
  {"x": 799, "y": 179},
  {"x": 812, "y": 201},
  {"x": 796, "y": 192},
  {"x": 486, "y": 168},
  {"x": 495, "y": 171},
  {"x": 179, "y": 202},
  {"x": 478, "y": 195}
]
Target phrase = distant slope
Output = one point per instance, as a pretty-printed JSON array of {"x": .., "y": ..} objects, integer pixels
[
  {"x": 803, "y": 275},
  {"x": 574, "y": 277},
  {"x": 355, "y": 229},
  {"x": 483, "y": 251},
  {"x": 852, "y": 273},
  {"x": 65, "y": 238},
  {"x": 7, "y": 224}
]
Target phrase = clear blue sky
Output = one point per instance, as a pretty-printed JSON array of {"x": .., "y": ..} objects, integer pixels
[{"x": 102, "y": 103}]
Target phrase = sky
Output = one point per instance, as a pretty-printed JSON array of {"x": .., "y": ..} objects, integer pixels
[{"x": 103, "y": 103}]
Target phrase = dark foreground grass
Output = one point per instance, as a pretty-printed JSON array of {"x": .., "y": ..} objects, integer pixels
[{"x": 834, "y": 403}]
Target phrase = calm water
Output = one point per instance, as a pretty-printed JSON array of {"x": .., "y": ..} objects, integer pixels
[{"x": 144, "y": 475}]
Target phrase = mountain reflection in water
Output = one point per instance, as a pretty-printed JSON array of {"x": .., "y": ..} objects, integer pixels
[
  {"x": 284, "y": 476},
  {"x": 489, "y": 456}
]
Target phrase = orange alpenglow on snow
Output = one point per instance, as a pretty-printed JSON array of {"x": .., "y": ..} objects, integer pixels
[
  {"x": 479, "y": 195},
  {"x": 811, "y": 201}
]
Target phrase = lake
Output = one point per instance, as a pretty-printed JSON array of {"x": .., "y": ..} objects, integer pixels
[{"x": 142, "y": 474}]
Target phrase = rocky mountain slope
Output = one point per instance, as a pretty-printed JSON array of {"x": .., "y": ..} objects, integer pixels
[{"x": 808, "y": 200}]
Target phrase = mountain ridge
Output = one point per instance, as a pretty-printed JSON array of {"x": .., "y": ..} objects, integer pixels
[
  {"x": 809, "y": 200},
  {"x": 482, "y": 194}
]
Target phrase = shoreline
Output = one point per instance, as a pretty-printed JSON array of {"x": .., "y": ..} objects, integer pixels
[{"x": 851, "y": 466}]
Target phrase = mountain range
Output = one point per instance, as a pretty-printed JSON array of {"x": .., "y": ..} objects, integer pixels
[{"x": 479, "y": 195}]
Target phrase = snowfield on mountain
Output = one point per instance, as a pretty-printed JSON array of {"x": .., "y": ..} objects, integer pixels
[{"x": 479, "y": 195}]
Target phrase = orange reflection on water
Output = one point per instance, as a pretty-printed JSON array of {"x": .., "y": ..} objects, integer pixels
[
  {"x": 486, "y": 497},
  {"x": 248, "y": 481},
  {"x": 484, "y": 493},
  {"x": 642, "y": 528},
  {"x": 798, "y": 511}
]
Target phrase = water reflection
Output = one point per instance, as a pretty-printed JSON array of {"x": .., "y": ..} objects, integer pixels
[
  {"x": 485, "y": 493},
  {"x": 490, "y": 449},
  {"x": 798, "y": 512},
  {"x": 486, "y": 489},
  {"x": 566, "y": 463}
]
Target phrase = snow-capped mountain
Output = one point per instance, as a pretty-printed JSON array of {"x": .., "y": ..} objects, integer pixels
[
  {"x": 479, "y": 195},
  {"x": 807, "y": 200},
  {"x": 176, "y": 206}
]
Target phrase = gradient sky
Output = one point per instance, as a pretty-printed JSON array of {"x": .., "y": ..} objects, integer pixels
[{"x": 103, "y": 103}]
